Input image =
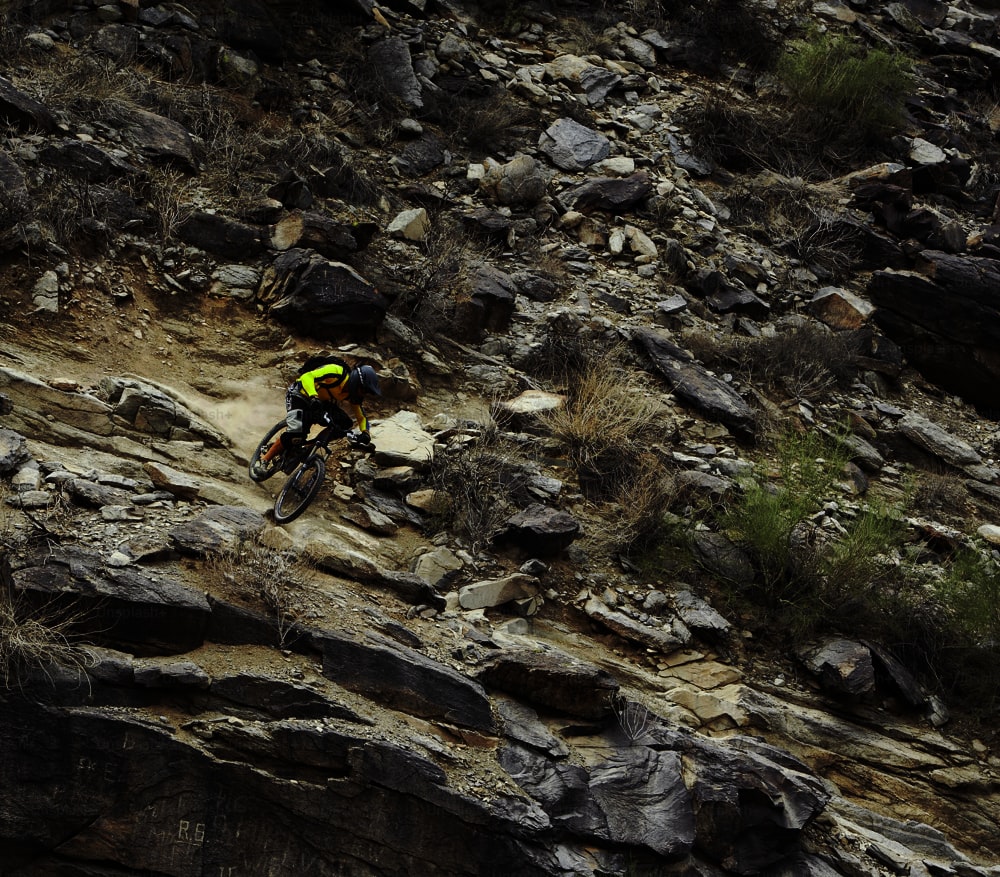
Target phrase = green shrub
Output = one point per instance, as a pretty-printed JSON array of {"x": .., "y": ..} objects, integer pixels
[
  {"x": 971, "y": 591},
  {"x": 765, "y": 517},
  {"x": 863, "y": 581},
  {"x": 856, "y": 91}
]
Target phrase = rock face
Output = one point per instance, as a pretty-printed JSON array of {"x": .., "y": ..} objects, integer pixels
[
  {"x": 944, "y": 315},
  {"x": 204, "y": 189}
]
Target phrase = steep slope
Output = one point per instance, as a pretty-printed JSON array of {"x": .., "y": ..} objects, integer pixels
[{"x": 527, "y": 707}]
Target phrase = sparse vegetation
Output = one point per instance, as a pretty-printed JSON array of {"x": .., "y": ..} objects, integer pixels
[
  {"x": 35, "y": 639},
  {"x": 765, "y": 517},
  {"x": 480, "y": 482},
  {"x": 606, "y": 425},
  {"x": 846, "y": 89},
  {"x": 970, "y": 589},
  {"x": 437, "y": 285},
  {"x": 169, "y": 195},
  {"x": 276, "y": 581},
  {"x": 787, "y": 214},
  {"x": 633, "y": 717}
]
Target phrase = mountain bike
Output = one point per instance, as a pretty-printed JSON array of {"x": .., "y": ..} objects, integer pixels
[{"x": 304, "y": 463}]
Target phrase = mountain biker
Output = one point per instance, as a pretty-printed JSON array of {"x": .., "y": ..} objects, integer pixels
[{"x": 314, "y": 395}]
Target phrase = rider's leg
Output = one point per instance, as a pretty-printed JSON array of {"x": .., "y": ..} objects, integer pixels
[{"x": 298, "y": 427}]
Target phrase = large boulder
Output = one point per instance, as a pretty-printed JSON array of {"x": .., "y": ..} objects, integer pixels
[
  {"x": 404, "y": 679},
  {"x": 309, "y": 292},
  {"x": 692, "y": 382},
  {"x": 551, "y": 680},
  {"x": 23, "y": 111},
  {"x": 946, "y": 317}
]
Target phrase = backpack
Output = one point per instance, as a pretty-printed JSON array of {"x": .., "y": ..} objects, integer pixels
[{"x": 315, "y": 362}]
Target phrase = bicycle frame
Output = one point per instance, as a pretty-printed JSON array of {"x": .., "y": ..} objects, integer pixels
[{"x": 321, "y": 441}]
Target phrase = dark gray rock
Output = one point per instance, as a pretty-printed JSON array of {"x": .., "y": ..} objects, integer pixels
[
  {"x": 170, "y": 675},
  {"x": 606, "y": 193},
  {"x": 161, "y": 138},
  {"x": 551, "y": 680},
  {"x": 663, "y": 641},
  {"x": 13, "y": 448},
  {"x": 216, "y": 529},
  {"x": 685, "y": 158},
  {"x": 93, "y": 494},
  {"x": 751, "y": 801},
  {"x": 541, "y": 530},
  {"x": 946, "y": 317},
  {"x": 279, "y": 698},
  {"x": 84, "y": 161},
  {"x": 699, "y": 616},
  {"x": 521, "y": 724},
  {"x": 391, "y": 56},
  {"x": 138, "y": 797},
  {"x": 692, "y": 383},
  {"x": 843, "y": 666},
  {"x": 308, "y": 292},
  {"x": 637, "y": 796},
  {"x": 718, "y": 554},
  {"x": 598, "y": 83},
  {"x": 23, "y": 111},
  {"x": 890, "y": 672},
  {"x": 572, "y": 146},
  {"x": 222, "y": 236},
  {"x": 492, "y": 294},
  {"x": 562, "y": 790},
  {"x": 421, "y": 156},
  {"x": 125, "y": 608},
  {"x": 406, "y": 680},
  {"x": 488, "y": 223},
  {"x": 119, "y": 42},
  {"x": 645, "y": 801}
]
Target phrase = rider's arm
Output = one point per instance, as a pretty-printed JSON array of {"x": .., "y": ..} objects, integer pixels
[{"x": 360, "y": 418}]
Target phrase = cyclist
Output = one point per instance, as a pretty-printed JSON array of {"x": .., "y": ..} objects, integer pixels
[{"x": 313, "y": 396}]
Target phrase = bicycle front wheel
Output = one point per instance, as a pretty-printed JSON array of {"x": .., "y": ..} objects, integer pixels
[
  {"x": 262, "y": 474},
  {"x": 299, "y": 490}
]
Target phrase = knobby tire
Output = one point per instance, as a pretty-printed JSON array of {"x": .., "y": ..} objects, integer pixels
[
  {"x": 265, "y": 443},
  {"x": 300, "y": 490}
]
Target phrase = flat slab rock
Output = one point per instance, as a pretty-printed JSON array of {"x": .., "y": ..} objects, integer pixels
[
  {"x": 126, "y": 607},
  {"x": 552, "y": 680}
]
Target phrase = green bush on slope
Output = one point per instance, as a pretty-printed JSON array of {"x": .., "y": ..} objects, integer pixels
[{"x": 846, "y": 89}]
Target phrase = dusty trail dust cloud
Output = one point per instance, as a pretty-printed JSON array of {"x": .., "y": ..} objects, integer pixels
[
  {"x": 250, "y": 408},
  {"x": 245, "y": 411}
]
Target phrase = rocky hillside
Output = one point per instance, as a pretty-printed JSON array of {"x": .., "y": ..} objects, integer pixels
[{"x": 673, "y": 555}]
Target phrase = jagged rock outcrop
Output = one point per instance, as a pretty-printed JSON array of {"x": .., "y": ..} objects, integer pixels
[{"x": 320, "y": 297}]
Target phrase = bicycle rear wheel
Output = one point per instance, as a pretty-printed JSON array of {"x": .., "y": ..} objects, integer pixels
[
  {"x": 266, "y": 442},
  {"x": 299, "y": 490}
]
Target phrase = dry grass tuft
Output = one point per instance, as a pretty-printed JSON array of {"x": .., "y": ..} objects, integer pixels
[
  {"x": 606, "y": 425},
  {"x": 35, "y": 639},
  {"x": 276, "y": 581},
  {"x": 481, "y": 482}
]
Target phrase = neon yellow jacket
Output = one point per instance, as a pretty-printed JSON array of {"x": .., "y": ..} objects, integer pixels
[{"x": 328, "y": 383}]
